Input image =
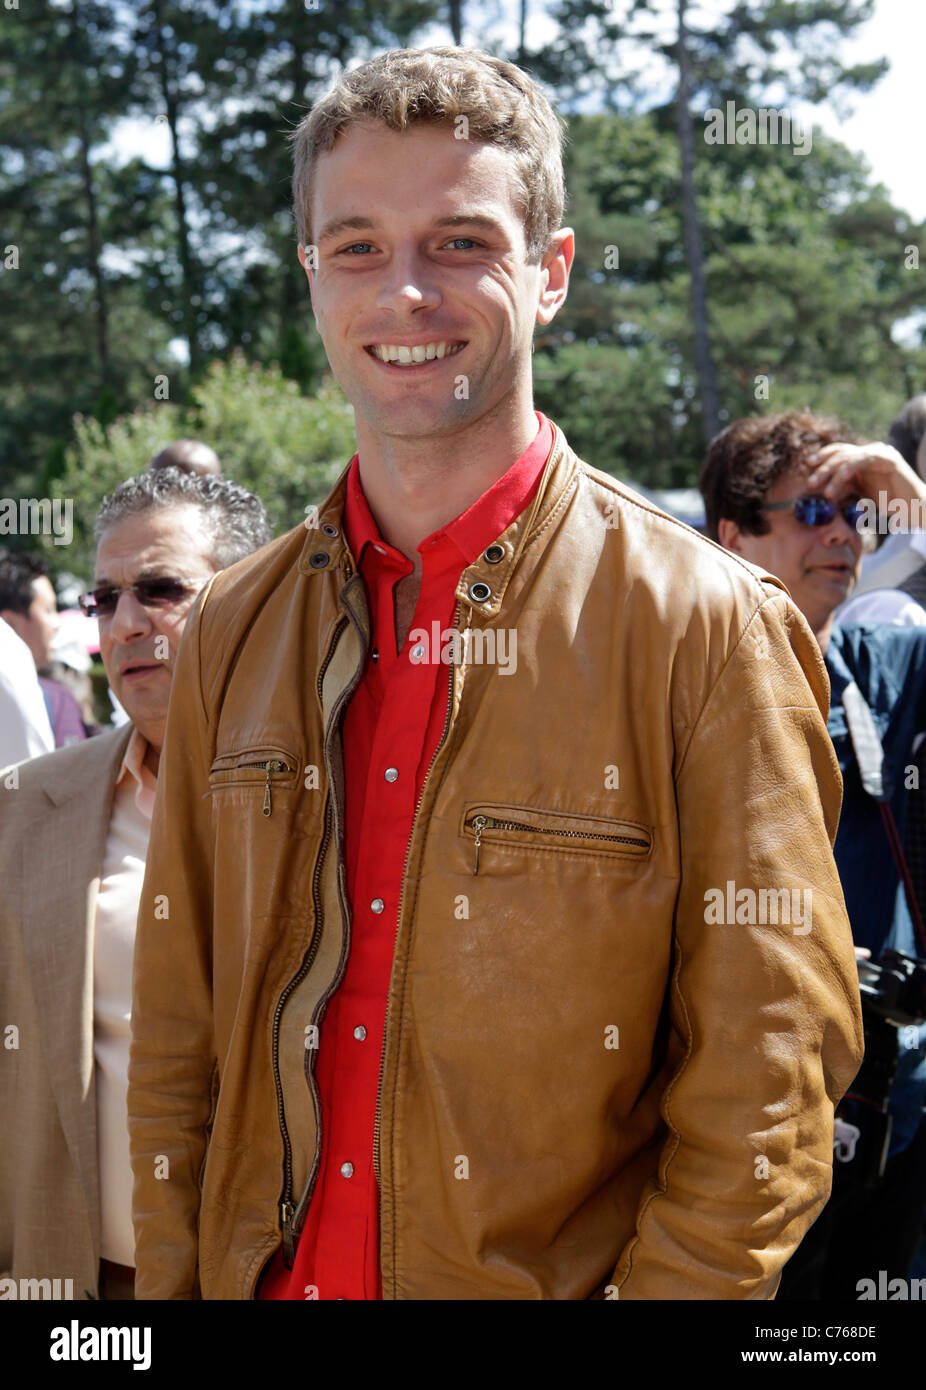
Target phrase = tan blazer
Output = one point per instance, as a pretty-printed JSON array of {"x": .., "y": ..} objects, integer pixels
[{"x": 53, "y": 829}]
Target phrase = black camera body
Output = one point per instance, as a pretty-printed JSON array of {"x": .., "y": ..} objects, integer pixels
[
  {"x": 893, "y": 991},
  {"x": 894, "y": 988}
]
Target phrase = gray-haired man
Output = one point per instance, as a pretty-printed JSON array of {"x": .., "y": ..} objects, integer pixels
[{"x": 72, "y": 860}]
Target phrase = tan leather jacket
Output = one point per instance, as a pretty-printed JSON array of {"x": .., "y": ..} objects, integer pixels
[{"x": 587, "y": 1087}]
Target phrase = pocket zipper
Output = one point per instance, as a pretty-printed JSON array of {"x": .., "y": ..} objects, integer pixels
[
  {"x": 271, "y": 766},
  {"x": 480, "y": 823}
]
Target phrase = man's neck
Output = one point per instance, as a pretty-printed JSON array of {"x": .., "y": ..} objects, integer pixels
[
  {"x": 824, "y": 633},
  {"x": 413, "y": 487}
]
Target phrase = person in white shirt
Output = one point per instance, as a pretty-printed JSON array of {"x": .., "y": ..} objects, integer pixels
[
  {"x": 24, "y": 728},
  {"x": 892, "y": 584},
  {"x": 73, "y": 840}
]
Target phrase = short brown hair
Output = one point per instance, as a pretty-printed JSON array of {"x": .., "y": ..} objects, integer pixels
[
  {"x": 502, "y": 106},
  {"x": 746, "y": 459}
]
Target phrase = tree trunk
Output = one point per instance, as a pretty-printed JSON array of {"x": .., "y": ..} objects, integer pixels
[
  {"x": 96, "y": 270},
  {"x": 293, "y": 286},
  {"x": 94, "y": 242},
  {"x": 522, "y": 30},
  {"x": 456, "y": 20},
  {"x": 188, "y": 267},
  {"x": 694, "y": 247}
]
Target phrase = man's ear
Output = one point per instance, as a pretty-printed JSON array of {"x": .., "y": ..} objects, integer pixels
[
  {"x": 728, "y": 534},
  {"x": 554, "y": 270}
]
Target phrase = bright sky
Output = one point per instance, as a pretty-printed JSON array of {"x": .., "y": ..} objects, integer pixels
[{"x": 887, "y": 125}]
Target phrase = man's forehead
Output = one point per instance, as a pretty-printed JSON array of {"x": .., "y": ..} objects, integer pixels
[
  {"x": 157, "y": 541},
  {"x": 483, "y": 174},
  {"x": 794, "y": 483}
]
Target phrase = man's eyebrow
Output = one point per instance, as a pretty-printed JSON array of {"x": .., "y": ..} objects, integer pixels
[
  {"x": 149, "y": 572},
  {"x": 345, "y": 224},
  {"x": 367, "y": 224},
  {"x": 470, "y": 219}
]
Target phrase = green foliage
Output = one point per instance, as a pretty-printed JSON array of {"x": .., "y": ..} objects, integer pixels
[
  {"x": 286, "y": 447},
  {"x": 806, "y": 281}
]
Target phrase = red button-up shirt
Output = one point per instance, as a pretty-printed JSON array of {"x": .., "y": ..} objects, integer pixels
[{"x": 392, "y": 727}]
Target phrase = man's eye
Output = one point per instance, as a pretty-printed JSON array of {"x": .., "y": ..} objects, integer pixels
[
  {"x": 359, "y": 245},
  {"x": 455, "y": 241}
]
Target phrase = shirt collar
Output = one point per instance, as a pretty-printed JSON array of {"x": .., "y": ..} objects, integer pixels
[
  {"x": 472, "y": 531},
  {"x": 133, "y": 769}
]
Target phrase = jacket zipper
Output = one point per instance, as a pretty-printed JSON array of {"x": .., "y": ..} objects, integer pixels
[
  {"x": 480, "y": 823},
  {"x": 440, "y": 744},
  {"x": 273, "y": 765},
  {"x": 287, "y": 1208}
]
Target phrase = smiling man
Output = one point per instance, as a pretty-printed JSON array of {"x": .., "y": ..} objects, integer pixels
[
  {"x": 791, "y": 493},
  {"x": 437, "y": 1011},
  {"x": 72, "y": 855}
]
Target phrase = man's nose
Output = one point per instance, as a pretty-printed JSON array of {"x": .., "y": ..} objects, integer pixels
[
  {"x": 839, "y": 531},
  {"x": 130, "y": 618},
  {"x": 410, "y": 283}
]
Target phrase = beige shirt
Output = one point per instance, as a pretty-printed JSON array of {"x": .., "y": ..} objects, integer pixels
[{"x": 113, "y": 946}]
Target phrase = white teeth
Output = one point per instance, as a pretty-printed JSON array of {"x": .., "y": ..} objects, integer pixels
[{"x": 410, "y": 356}]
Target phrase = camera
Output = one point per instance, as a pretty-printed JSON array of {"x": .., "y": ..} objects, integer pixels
[
  {"x": 893, "y": 991},
  {"x": 894, "y": 988}
]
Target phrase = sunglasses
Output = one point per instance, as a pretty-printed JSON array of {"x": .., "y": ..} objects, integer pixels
[
  {"x": 150, "y": 593},
  {"x": 819, "y": 511}
]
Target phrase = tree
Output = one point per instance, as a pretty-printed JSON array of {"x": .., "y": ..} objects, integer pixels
[
  {"x": 743, "y": 55},
  {"x": 805, "y": 272},
  {"x": 286, "y": 447}
]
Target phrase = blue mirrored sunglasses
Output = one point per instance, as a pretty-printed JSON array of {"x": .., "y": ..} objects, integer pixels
[{"x": 815, "y": 510}]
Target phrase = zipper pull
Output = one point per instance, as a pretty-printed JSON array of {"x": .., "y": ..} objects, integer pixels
[
  {"x": 273, "y": 766},
  {"x": 286, "y": 1220},
  {"x": 478, "y": 825}
]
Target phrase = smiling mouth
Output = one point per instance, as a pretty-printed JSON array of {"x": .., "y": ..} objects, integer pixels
[
  {"x": 399, "y": 355},
  {"x": 142, "y": 669}
]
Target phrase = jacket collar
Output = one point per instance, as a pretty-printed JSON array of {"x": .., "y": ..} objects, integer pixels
[{"x": 326, "y": 550}]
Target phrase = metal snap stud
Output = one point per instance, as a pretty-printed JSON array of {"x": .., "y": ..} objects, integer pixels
[
  {"x": 494, "y": 554},
  {"x": 329, "y": 530},
  {"x": 479, "y": 592},
  {"x": 319, "y": 560}
]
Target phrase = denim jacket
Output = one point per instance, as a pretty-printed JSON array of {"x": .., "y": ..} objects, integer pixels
[{"x": 888, "y": 664}]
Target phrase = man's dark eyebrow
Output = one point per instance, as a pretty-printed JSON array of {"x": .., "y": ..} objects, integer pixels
[
  {"x": 345, "y": 224},
  {"x": 366, "y": 224},
  {"x": 149, "y": 572},
  {"x": 470, "y": 219}
]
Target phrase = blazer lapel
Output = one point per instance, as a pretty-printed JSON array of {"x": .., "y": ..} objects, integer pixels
[{"x": 62, "y": 855}]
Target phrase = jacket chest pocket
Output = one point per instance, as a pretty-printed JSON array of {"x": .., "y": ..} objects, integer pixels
[
  {"x": 265, "y": 768},
  {"x": 485, "y": 824}
]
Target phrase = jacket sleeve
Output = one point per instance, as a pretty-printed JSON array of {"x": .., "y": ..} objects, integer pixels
[
  {"x": 172, "y": 1055},
  {"x": 765, "y": 1016}
]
